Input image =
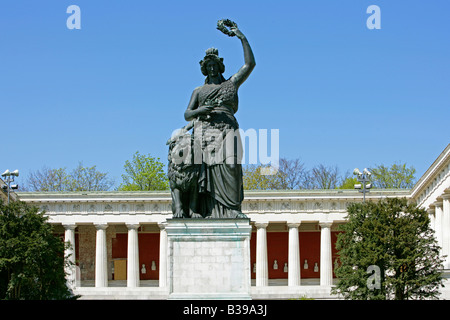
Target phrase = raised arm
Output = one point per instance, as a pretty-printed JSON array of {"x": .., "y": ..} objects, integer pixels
[{"x": 249, "y": 60}]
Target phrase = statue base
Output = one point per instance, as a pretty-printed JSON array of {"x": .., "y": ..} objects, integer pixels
[{"x": 209, "y": 258}]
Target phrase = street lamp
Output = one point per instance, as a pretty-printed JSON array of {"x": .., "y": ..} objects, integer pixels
[
  {"x": 363, "y": 177},
  {"x": 9, "y": 177}
]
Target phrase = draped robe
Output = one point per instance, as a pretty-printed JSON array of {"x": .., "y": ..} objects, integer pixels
[{"x": 220, "y": 180}]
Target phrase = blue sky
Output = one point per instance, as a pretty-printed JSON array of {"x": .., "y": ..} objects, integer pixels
[{"x": 339, "y": 93}]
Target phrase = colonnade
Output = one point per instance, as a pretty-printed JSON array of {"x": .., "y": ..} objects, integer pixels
[
  {"x": 101, "y": 258},
  {"x": 294, "y": 274},
  {"x": 439, "y": 213},
  {"x": 262, "y": 269}
]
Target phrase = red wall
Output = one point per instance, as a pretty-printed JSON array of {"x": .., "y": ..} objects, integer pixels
[
  {"x": 309, "y": 250},
  {"x": 148, "y": 252},
  {"x": 277, "y": 249}
]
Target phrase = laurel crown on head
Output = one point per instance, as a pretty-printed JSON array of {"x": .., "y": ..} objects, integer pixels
[{"x": 212, "y": 54}]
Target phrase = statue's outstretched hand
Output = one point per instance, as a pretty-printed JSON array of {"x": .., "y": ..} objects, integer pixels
[
  {"x": 237, "y": 32},
  {"x": 233, "y": 30}
]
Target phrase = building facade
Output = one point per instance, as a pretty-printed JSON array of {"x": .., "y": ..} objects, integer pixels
[{"x": 119, "y": 242}]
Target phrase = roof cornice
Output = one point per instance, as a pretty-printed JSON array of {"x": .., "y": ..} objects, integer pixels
[
  {"x": 432, "y": 171},
  {"x": 130, "y": 196}
]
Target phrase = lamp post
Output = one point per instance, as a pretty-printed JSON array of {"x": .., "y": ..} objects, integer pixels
[
  {"x": 9, "y": 177},
  {"x": 363, "y": 177}
]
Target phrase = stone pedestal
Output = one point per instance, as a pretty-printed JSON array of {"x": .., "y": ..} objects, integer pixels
[{"x": 209, "y": 258}]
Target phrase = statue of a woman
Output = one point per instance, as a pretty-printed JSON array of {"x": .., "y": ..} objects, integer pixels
[{"x": 212, "y": 107}]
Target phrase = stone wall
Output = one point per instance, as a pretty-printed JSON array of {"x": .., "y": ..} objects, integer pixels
[{"x": 86, "y": 250}]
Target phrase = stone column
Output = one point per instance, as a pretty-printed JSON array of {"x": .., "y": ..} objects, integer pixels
[
  {"x": 162, "y": 255},
  {"x": 101, "y": 263},
  {"x": 439, "y": 223},
  {"x": 446, "y": 229},
  {"x": 69, "y": 236},
  {"x": 326, "y": 263},
  {"x": 430, "y": 212},
  {"x": 133, "y": 256},
  {"x": 262, "y": 270},
  {"x": 293, "y": 255}
]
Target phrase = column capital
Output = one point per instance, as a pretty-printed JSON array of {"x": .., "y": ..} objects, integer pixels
[
  {"x": 101, "y": 226},
  {"x": 438, "y": 203},
  {"x": 69, "y": 226},
  {"x": 446, "y": 195},
  {"x": 293, "y": 224},
  {"x": 325, "y": 224},
  {"x": 261, "y": 224},
  {"x": 162, "y": 225},
  {"x": 132, "y": 225}
]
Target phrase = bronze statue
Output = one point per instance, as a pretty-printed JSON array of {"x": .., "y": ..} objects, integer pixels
[{"x": 208, "y": 182}]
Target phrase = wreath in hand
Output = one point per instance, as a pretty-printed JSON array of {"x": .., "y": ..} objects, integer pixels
[{"x": 223, "y": 24}]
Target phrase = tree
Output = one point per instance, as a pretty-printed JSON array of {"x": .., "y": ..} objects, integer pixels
[
  {"x": 80, "y": 179},
  {"x": 32, "y": 259},
  {"x": 387, "y": 250},
  {"x": 398, "y": 176},
  {"x": 348, "y": 183},
  {"x": 48, "y": 179},
  {"x": 292, "y": 174},
  {"x": 144, "y": 173},
  {"x": 254, "y": 179},
  {"x": 322, "y": 177},
  {"x": 89, "y": 179}
]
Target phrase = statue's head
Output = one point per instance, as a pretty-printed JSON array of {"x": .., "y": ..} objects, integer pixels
[{"x": 212, "y": 57}]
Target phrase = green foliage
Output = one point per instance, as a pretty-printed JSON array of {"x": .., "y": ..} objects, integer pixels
[
  {"x": 348, "y": 183},
  {"x": 254, "y": 178},
  {"x": 144, "y": 173},
  {"x": 80, "y": 179},
  {"x": 396, "y": 237},
  {"x": 398, "y": 176},
  {"x": 31, "y": 257},
  {"x": 292, "y": 175}
]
